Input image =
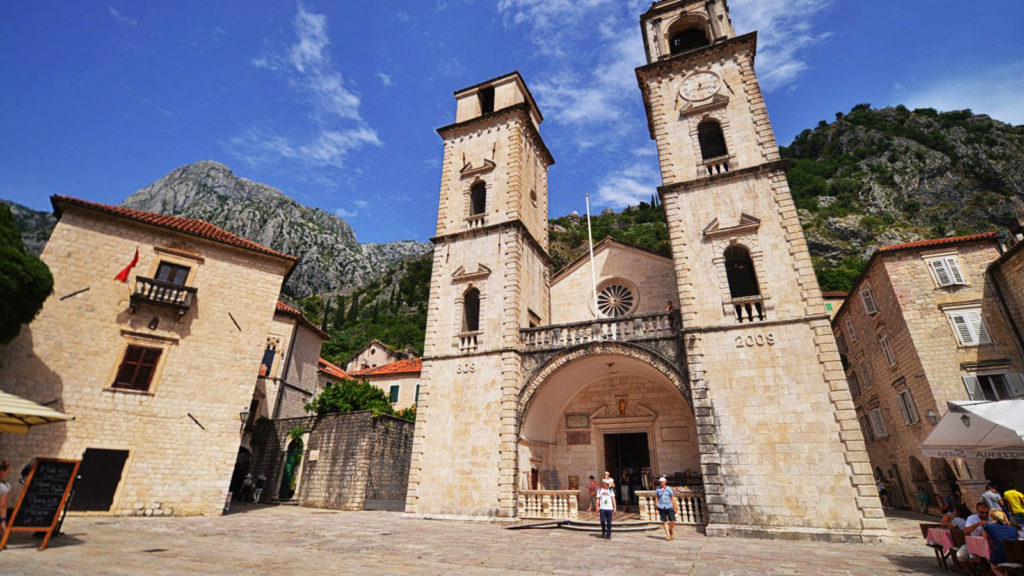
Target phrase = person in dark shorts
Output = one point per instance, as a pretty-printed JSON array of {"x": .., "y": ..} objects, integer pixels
[
  {"x": 606, "y": 507},
  {"x": 667, "y": 507}
]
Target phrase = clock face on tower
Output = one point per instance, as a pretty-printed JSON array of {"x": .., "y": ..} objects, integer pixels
[{"x": 700, "y": 86}]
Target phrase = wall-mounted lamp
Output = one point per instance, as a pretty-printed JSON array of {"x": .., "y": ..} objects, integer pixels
[
  {"x": 932, "y": 417},
  {"x": 243, "y": 416},
  {"x": 966, "y": 420}
]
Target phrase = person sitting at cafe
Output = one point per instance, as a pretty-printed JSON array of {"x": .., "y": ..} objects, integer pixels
[
  {"x": 995, "y": 533},
  {"x": 956, "y": 516},
  {"x": 975, "y": 527}
]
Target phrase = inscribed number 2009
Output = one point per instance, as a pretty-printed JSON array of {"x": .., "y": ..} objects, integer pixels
[{"x": 752, "y": 340}]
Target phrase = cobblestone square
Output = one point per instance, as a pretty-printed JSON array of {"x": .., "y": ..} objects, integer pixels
[{"x": 303, "y": 541}]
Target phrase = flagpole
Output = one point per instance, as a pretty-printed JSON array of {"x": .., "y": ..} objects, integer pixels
[{"x": 593, "y": 273}]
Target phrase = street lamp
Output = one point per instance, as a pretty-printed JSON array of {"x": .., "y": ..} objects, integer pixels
[
  {"x": 932, "y": 417},
  {"x": 966, "y": 420},
  {"x": 243, "y": 416}
]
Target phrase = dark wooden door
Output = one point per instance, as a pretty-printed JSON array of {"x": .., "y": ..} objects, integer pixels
[{"x": 100, "y": 474}]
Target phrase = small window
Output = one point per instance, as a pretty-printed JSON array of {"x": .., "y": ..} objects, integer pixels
[
  {"x": 969, "y": 327},
  {"x": 417, "y": 397},
  {"x": 393, "y": 394},
  {"x": 739, "y": 270},
  {"x": 877, "y": 424},
  {"x": 471, "y": 310},
  {"x": 850, "y": 330},
  {"x": 137, "y": 367},
  {"x": 868, "y": 299},
  {"x": 828, "y": 306},
  {"x": 486, "y": 100},
  {"x": 686, "y": 40},
  {"x": 994, "y": 387},
  {"x": 946, "y": 271},
  {"x": 907, "y": 408},
  {"x": 841, "y": 343},
  {"x": 478, "y": 199},
  {"x": 172, "y": 273},
  {"x": 865, "y": 426},
  {"x": 268, "y": 359},
  {"x": 883, "y": 340},
  {"x": 866, "y": 374},
  {"x": 854, "y": 383},
  {"x": 712, "y": 140}
]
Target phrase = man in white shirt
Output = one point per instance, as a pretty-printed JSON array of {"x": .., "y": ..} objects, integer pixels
[
  {"x": 606, "y": 507},
  {"x": 975, "y": 527}
]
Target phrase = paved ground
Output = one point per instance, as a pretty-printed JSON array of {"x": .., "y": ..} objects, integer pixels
[{"x": 300, "y": 541}]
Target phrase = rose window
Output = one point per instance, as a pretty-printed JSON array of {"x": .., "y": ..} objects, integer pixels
[{"x": 615, "y": 300}]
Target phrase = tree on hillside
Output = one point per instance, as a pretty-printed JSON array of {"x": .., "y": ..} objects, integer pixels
[
  {"x": 25, "y": 282},
  {"x": 355, "y": 396}
]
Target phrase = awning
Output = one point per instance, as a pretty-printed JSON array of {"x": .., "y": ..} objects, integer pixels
[
  {"x": 978, "y": 430},
  {"x": 18, "y": 414}
]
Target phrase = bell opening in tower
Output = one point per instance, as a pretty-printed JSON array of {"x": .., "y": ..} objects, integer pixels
[{"x": 686, "y": 40}]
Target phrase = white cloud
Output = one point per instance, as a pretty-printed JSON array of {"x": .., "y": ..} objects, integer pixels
[
  {"x": 785, "y": 30},
  {"x": 995, "y": 91},
  {"x": 342, "y": 213},
  {"x": 121, "y": 17},
  {"x": 362, "y": 204},
  {"x": 335, "y": 125},
  {"x": 630, "y": 186},
  {"x": 386, "y": 80}
]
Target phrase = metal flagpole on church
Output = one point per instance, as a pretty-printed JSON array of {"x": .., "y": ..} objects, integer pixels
[{"x": 590, "y": 238}]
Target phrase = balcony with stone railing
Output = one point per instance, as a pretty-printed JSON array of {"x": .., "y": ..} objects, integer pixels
[
  {"x": 545, "y": 504},
  {"x": 715, "y": 166},
  {"x": 160, "y": 293},
  {"x": 693, "y": 506},
  {"x": 621, "y": 329},
  {"x": 476, "y": 221}
]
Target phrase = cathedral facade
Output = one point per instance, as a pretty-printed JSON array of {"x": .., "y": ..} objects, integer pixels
[{"x": 716, "y": 367}]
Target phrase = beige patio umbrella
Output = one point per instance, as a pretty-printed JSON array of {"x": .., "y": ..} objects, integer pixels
[{"x": 17, "y": 414}]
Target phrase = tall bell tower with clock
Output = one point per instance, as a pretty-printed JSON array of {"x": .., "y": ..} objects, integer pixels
[{"x": 781, "y": 449}]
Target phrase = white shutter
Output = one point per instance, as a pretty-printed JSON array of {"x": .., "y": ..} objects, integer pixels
[
  {"x": 942, "y": 276},
  {"x": 901, "y": 402},
  {"x": 867, "y": 375},
  {"x": 978, "y": 326},
  {"x": 954, "y": 270},
  {"x": 868, "y": 300},
  {"x": 963, "y": 328},
  {"x": 887, "y": 350},
  {"x": 1015, "y": 383},
  {"x": 973, "y": 387},
  {"x": 908, "y": 398},
  {"x": 877, "y": 424},
  {"x": 850, "y": 330}
]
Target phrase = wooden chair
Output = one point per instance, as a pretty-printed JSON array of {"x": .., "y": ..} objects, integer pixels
[
  {"x": 1015, "y": 555},
  {"x": 959, "y": 541}
]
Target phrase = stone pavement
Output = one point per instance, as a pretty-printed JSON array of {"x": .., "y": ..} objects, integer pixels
[{"x": 289, "y": 540}]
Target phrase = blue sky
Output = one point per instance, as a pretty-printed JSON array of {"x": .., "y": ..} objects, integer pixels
[{"x": 337, "y": 103}]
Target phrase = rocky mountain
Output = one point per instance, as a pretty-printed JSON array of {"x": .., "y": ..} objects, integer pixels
[{"x": 332, "y": 260}]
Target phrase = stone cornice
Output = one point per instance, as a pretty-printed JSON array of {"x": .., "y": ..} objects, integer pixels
[
  {"x": 522, "y": 110},
  {"x": 723, "y": 178},
  {"x": 484, "y": 230},
  {"x": 688, "y": 60}
]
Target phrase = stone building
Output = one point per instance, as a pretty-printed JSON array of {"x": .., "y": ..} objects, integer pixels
[
  {"x": 155, "y": 372},
  {"x": 290, "y": 369},
  {"x": 399, "y": 380},
  {"x": 925, "y": 325},
  {"x": 374, "y": 354},
  {"x": 328, "y": 373},
  {"x": 530, "y": 381}
]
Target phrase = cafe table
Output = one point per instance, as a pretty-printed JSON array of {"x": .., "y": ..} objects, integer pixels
[{"x": 978, "y": 546}]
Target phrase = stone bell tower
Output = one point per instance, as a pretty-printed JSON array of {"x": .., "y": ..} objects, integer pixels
[
  {"x": 490, "y": 278},
  {"x": 781, "y": 449}
]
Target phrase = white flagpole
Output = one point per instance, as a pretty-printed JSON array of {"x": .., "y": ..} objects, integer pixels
[{"x": 593, "y": 273}]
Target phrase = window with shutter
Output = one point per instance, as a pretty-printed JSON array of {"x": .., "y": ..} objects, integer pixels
[
  {"x": 946, "y": 271},
  {"x": 865, "y": 427},
  {"x": 907, "y": 408},
  {"x": 887, "y": 350},
  {"x": 867, "y": 375},
  {"x": 877, "y": 424},
  {"x": 850, "y": 330},
  {"x": 941, "y": 274},
  {"x": 393, "y": 394},
  {"x": 954, "y": 270},
  {"x": 1015, "y": 385},
  {"x": 868, "y": 300},
  {"x": 973, "y": 387},
  {"x": 854, "y": 384},
  {"x": 969, "y": 327}
]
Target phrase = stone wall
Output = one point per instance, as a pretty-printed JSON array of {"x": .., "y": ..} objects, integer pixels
[{"x": 351, "y": 461}]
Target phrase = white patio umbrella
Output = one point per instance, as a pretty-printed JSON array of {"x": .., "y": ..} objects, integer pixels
[
  {"x": 17, "y": 414},
  {"x": 978, "y": 430}
]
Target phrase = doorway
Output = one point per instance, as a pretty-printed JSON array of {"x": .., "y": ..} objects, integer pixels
[
  {"x": 99, "y": 476},
  {"x": 627, "y": 454},
  {"x": 291, "y": 464}
]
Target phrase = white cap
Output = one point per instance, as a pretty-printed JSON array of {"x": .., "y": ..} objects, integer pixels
[{"x": 662, "y": 479}]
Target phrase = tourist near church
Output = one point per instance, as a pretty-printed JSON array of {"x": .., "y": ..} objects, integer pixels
[{"x": 745, "y": 358}]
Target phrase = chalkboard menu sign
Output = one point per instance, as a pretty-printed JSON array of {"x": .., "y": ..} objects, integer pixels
[{"x": 44, "y": 496}]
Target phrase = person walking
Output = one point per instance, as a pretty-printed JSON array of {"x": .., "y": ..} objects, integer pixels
[
  {"x": 992, "y": 498},
  {"x": 1014, "y": 503},
  {"x": 607, "y": 507},
  {"x": 667, "y": 507},
  {"x": 592, "y": 490}
]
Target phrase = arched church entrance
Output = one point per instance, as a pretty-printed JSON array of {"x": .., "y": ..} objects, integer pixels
[{"x": 606, "y": 407}]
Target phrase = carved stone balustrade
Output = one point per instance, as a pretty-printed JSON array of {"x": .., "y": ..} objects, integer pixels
[
  {"x": 160, "y": 293},
  {"x": 622, "y": 329},
  {"x": 549, "y": 504},
  {"x": 693, "y": 507}
]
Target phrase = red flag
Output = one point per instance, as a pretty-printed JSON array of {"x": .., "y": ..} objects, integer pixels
[{"x": 122, "y": 276}]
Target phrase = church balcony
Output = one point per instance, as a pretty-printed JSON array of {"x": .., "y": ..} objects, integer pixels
[
  {"x": 476, "y": 221},
  {"x": 160, "y": 293},
  {"x": 621, "y": 329},
  {"x": 714, "y": 166},
  {"x": 468, "y": 341},
  {"x": 749, "y": 309}
]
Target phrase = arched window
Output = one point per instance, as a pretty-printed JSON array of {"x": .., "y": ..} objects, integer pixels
[
  {"x": 478, "y": 199},
  {"x": 686, "y": 40},
  {"x": 712, "y": 141},
  {"x": 739, "y": 269},
  {"x": 471, "y": 310}
]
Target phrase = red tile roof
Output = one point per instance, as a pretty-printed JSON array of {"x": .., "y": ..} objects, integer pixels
[
  {"x": 296, "y": 313},
  {"x": 196, "y": 228},
  {"x": 413, "y": 366},
  {"x": 940, "y": 242},
  {"x": 330, "y": 369}
]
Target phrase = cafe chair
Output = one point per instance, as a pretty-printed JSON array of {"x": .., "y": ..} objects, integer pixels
[
  {"x": 940, "y": 558},
  {"x": 1014, "y": 555},
  {"x": 959, "y": 541}
]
